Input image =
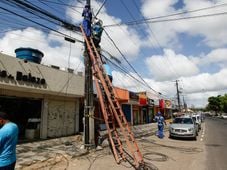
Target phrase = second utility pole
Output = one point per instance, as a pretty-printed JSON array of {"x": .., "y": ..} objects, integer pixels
[{"x": 178, "y": 95}]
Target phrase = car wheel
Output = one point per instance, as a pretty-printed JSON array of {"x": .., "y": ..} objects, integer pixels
[{"x": 195, "y": 138}]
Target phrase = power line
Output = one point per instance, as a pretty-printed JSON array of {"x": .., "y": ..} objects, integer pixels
[
  {"x": 100, "y": 8},
  {"x": 155, "y": 38},
  {"x": 61, "y": 3},
  {"x": 39, "y": 11},
  {"x": 124, "y": 70},
  {"x": 149, "y": 20},
  {"x": 128, "y": 61},
  {"x": 70, "y": 6},
  {"x": 39, "y": 23}
]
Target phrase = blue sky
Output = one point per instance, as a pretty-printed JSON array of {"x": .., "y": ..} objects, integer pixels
[{"x": 192, "y": 51}]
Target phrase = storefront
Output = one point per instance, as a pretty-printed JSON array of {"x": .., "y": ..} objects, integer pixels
[
  {"x": 150, "y": 111},
  {"x": 168, "y": 108},
  {"x": 122, "y": 96},
  {"x": 143, "y": 103},
  {"x": 135, "y": 109},
  {"x": 43, "y": 101}
]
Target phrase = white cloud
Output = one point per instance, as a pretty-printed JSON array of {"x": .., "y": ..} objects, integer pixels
[
  {"x": 211, "y": 29},
  {"x": 196, "y": 89},
  {"x": 170, "y": 66},
  {"x": 33, "y": 38},
  {"x": 206, "y": 82},
  {"x": 217, "y": 56}
]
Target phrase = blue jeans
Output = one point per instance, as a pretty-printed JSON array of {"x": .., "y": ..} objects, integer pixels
[
  {"x": 160, "y": 131},
  {"x": 87, "y": 27}
]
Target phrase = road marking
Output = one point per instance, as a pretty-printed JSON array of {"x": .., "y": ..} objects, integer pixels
[{"x": 203, "y": 133}]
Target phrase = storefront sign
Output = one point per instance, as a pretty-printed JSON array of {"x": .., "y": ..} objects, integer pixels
[
  {"x": 133, "y": 96},
  {"x": 4, "y": 74},
  {"x": 162, "y": 104},
  {"x": 23, "y": 77},
  {"x": 142, "y": 98},
  {"x": 151, "y": 102},
  {"x": 29, "y": 78},
  {"x": 168, "y": 104},
  {"x": 142, "y": 101}
]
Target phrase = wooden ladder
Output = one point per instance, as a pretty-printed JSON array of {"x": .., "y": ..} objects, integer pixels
[{"x": 111, "y": 110}]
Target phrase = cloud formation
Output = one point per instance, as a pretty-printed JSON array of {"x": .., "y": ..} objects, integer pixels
[
  {"x": 170, "y": 66},
  {"x": 211, "y": 29},
  {"x": 59, "y": 54}
]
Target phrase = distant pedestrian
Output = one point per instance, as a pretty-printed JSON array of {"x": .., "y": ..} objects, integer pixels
[
  {"x": 8, "y": 141},
  {"x": 160, "y": 121},
  {"x": 87, "y": 14}
]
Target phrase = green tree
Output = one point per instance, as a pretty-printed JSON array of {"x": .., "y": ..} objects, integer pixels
[
  {"x": 214, "y": 104},
  {"x": 223, "y": 100}
]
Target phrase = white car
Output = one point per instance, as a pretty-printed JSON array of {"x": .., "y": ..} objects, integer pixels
[
  {"x": 224, "y": 116},
  {"x": 183, "y": 127},
  {"x": 197, "y": 119}
]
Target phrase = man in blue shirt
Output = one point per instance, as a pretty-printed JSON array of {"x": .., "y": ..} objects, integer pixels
[
  {"x": 161, "y": 121},
  {"x": 8, "y": 141}
]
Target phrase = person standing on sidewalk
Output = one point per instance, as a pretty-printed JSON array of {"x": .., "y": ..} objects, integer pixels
[
  {"x": 8, "y": 141},
  {"x": 160, "y": 121}
]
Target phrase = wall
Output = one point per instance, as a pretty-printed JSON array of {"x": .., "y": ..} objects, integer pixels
[
  {"x": 57, "y": 82},
  {"x": 61, "y": 118}
]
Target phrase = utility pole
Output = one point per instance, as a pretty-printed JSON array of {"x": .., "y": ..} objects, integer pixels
[
  {"x": 185, "y": 105},
  {"x": 178, "y": 95},
  {"x": 88, "y": 101}
]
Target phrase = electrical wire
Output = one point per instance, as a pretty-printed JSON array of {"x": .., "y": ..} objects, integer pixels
[
  {"x": 144, "y": 32},
  {"x": 61, "y": 3},
  {"x": 39, "y": 24},
  {"x": 147, "y": 20},
  {"x": 169, "y": 20},
  {"x": 100, "y": 8},
  {"x": 125, "y": 71},
  {"x": 71, "y": 8},
  {"x": 129, "y": 62},
  {"x": 56, "y": 10},
  {"x": 43, "y": 13}
]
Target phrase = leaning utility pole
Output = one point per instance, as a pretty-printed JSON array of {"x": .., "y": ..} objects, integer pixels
[
  {"x": 89, "y": 140},
  {"x": 178, "y": 96}
]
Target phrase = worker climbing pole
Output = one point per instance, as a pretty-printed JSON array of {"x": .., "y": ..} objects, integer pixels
[{"x": 111, "y": 109}]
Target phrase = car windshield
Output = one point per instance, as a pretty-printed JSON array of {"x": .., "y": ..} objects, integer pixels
[{"x": 183, "y": 121}]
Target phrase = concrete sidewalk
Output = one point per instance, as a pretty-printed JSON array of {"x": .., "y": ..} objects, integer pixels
[{"x": 54, "y": 150}]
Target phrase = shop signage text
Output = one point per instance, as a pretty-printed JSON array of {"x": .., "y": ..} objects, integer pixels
[
  {"x": 29, "y": 78},
  {"x": 23, "y": 77}
]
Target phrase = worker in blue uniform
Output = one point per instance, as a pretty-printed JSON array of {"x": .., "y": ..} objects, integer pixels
[
  {"x": 160, "y": 121},
  {"x": 87, "y": 14},
  {"x": 97, "y": 30}
]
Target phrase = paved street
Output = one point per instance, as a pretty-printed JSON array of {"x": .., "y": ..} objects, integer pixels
[
  {"x": 158, "y": 153},
  {"x": 216, "y": 143}
]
